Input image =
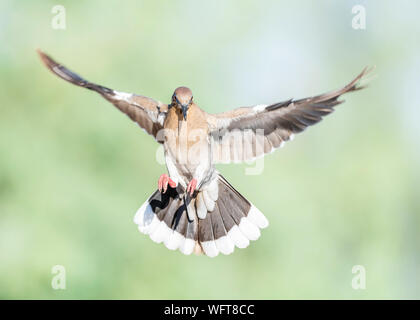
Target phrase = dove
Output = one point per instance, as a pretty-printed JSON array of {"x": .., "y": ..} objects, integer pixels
[{"x": 195, "y": 209}]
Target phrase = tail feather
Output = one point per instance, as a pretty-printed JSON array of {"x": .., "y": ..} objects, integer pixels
[
  {"x": 166, "y": 216},
  {"x": 191, "y": 209},
  {"x": 236, "y": 205},
  {"x": 180, "y": 222},
  {"x": 201, "y": 206},
  {"x": 225, "y": 244},
  {"x": 161, "y": 233},
  {"x": 232, "y": 229},
  {"x": 206, "y": 236},
  {"x": 232, "y": 221},
  {"x": 238, "y": 208},
  {"x": 257, "y": 218},
  {"x": 179, "y": 226}
]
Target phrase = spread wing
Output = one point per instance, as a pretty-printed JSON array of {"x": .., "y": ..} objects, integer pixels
[
  {"x": 246, "y": 133},
  {"x": 146, "y": 112}
]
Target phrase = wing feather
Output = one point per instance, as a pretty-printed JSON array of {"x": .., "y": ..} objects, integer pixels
[
  {"x": 146, "y": 112},
  {"x": 276, "y": 123}
]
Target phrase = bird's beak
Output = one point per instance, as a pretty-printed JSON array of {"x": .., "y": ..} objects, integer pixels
[{"x": 184, "y": 111}]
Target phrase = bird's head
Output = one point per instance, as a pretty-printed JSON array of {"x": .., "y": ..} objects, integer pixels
[{"x": 182, "y": 100}]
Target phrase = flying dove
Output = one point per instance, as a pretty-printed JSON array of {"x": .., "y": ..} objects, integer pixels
[{"x": 195, "y": 209}]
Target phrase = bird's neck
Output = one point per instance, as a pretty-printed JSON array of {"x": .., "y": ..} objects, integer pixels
[{"x": 195, "y": 121}]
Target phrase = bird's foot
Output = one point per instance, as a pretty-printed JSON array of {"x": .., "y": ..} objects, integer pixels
[
  {"x": 191, "y": 186},
  {"x": 163, "y": 182}
]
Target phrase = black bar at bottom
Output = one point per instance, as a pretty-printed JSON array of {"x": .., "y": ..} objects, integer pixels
[{"x": 206, "y": 309}]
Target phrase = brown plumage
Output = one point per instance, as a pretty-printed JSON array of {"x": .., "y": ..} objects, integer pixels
[{"x": 195, "y": 209}]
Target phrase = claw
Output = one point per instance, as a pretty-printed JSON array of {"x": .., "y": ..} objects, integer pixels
[
  {"x": 163, "y": 182},
  {"x": 191, "y": 186}
]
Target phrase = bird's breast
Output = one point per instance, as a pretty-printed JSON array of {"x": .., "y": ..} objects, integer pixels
[{"x": 187, "y": 140}]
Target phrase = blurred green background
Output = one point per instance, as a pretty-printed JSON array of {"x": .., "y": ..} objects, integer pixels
[{"x": 73, "y": 169}]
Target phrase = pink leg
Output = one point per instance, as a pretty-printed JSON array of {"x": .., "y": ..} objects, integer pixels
[
  {"x": 163, "y": 182},
  {"x": 191, "y": 186}
]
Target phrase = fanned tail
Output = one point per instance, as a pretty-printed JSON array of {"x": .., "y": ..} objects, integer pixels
[{"x": 216, "y": 220}]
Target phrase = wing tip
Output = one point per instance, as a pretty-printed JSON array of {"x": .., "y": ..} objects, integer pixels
[
  {"x": 46, "y": 59},
  {"x": 360, "y": 82},
  {"x": 66, "y": 74},
  {"x": 366, "y": 77}
]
